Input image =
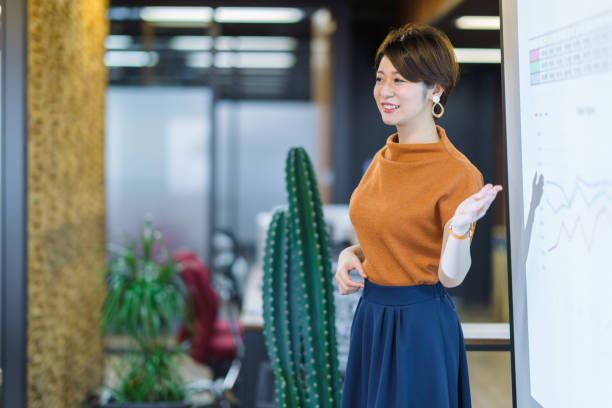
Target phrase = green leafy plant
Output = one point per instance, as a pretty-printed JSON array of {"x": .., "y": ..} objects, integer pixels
[
  {"x": 145, "y": 298},
  {"x": 152, "y": 377}
]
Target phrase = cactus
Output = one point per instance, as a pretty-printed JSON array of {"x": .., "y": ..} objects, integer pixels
[
  {"x": 298, "y": 296},
  {"x": 278, "y": 324}
]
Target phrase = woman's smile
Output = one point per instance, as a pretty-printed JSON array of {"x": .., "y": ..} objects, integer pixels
[{"x": 389, "y": 107}]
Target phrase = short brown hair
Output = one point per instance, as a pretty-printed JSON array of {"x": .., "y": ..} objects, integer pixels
[{"x": 421, "y": 52}]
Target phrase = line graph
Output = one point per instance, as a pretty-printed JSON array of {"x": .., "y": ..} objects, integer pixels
[
  {"x": 566, "y": 272},
  {"x": 588, "y": 237},
  {"x": 591, "y": 195},
  {"x": 578, "y": 189}
]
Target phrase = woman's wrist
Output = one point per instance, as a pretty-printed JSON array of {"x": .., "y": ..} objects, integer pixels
[
  {"x": 459, "y": 229},
  {"x": 355, "y": 250}
]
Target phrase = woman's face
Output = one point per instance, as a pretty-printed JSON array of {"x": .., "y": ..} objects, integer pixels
[{"x": 399, "y": 100}]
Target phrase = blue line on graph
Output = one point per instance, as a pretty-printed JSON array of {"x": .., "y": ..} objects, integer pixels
[{"x": 577, "y": 188}]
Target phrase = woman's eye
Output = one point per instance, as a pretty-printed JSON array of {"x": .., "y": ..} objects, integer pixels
[
  {"x": 378, "y": 79},
  {"x": 399, "y": 80}
]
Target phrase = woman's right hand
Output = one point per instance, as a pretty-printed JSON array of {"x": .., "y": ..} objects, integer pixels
[{"x": 348, "y": 260}]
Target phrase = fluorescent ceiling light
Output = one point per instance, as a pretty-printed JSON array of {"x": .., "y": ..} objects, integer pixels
[
  {"x": 131, "y": 59},
  {"x": 244, "y": 60},
  {"x": 266, "y": 43},
  {"x": 478, "y": 22},
  {"x": 176, "y": 14},
  {"x": 190, "y": 43},
  {"x": 258, "y": 15},
  {"x": 225, "y": 43},
  {"x": 478, "y": 55},
  {"x": 118, "y": 42},
  {"x": 254, "y": 59}
]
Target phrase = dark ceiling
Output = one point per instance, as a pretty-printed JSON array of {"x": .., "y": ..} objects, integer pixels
[
  {"x": 293, "y": 83},
  {"x": 383, "y": 11}
]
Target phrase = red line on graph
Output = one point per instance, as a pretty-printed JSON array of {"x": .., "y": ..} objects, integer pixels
[{"x": 572, "y": 233}]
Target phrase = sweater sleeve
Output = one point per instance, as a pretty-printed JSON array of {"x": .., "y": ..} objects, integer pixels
[{"x": 466, "y": 183}]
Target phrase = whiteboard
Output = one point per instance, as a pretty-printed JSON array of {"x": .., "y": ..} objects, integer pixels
[{"x": 557, "y": 69}]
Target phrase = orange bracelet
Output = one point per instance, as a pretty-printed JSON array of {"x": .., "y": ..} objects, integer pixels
[{"x": 468, "y": 234}]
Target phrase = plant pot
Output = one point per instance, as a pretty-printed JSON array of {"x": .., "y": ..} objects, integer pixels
[{"x": 175, "y": 404}]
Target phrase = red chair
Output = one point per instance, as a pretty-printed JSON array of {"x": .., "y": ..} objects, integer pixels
[{"x": 214, "y": 340}]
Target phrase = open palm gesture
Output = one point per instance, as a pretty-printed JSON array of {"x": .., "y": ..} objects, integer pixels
[{"x": 475, "y": 206}]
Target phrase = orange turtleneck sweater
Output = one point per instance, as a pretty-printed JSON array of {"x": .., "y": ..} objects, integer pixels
[{"x": 403, "y": 201}]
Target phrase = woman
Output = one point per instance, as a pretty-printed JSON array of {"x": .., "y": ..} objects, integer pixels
[{"x": 414, "y": 212}]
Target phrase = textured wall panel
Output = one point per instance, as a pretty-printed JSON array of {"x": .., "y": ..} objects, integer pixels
[{"x": 66, "y": 84}]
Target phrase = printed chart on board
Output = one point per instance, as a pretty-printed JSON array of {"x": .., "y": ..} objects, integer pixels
[{"x": 565, "y": 67}]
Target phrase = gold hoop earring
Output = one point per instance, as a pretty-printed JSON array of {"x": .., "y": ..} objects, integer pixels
[{"x": 436, "y": 100}]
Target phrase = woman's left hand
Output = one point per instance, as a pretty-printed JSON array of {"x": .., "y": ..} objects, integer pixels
[{"x": 475, "y": 206}]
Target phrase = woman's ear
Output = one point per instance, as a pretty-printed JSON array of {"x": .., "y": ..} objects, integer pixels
[
  {"x": 437, "y": 90},
  {"x": 432, "y": 90}
]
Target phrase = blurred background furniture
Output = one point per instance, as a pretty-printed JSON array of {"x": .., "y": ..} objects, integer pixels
[{"x": 216, "y": 338}]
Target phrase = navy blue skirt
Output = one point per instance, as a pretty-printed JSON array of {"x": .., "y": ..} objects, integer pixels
[{"x": 406, "y": 350}]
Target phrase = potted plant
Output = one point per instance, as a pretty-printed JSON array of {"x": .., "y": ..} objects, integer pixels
[{"x": 145, "y": 298}]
